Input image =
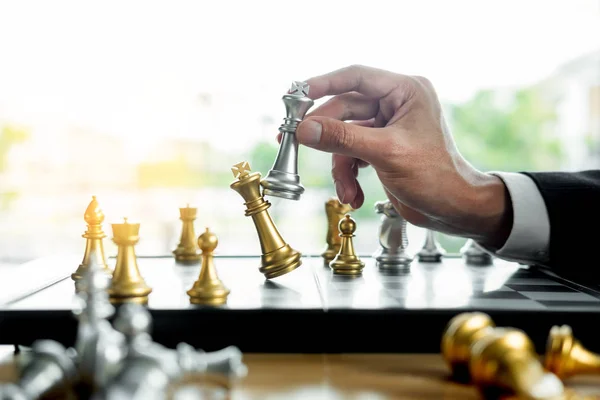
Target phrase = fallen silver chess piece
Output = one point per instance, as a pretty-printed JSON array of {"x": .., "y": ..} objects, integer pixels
[{"x": 119, "y": 361}]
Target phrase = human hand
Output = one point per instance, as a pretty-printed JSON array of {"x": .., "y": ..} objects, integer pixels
[{"x": 395, "y": 124}]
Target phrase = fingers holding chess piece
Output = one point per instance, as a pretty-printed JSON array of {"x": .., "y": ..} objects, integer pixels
[
  {"x": 335, "y": 211},
  {"x": 431, "y": 251},
  {"x": 393, "y": 241},
  {"x": 461, "y": 332},
  {"x": 475, "y": 255},
  {"x": 278, "y": 258},
  {"x": 506, "y": 362},
  {"x": 346, "y": 262},
  {"x": 94, "y": 246},
  {"x": 127, "y": 284},
  {"x": 208, "y": 288},
  {"x": 187, "y": 250},
  {"x": 565, "y": 355}
]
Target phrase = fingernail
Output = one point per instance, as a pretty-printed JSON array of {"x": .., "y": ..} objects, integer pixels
[
  {"x": 339, "y": 189},
  {"x": 309, "y": 132}
]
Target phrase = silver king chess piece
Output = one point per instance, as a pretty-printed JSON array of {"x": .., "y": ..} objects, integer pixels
[
  {"x": 475, "y": 255},
  {"x": 283, "y": 179},
  {"x": 393, "y": 241},
  {"x": 431, "y": 251}
]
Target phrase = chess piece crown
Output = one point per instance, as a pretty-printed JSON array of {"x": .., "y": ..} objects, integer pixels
[
  {"x": 346, "y": 262},
  {"x": 283, "y": 179},
  {"x": 208, "y": 288},
  {"x": 278, "y": 258},
  {"x": 127, "y": 283},
  {"x": 335, "y": 211}
]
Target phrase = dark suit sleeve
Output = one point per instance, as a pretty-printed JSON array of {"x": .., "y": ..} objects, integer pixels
[{"x": 573, "y": 203}]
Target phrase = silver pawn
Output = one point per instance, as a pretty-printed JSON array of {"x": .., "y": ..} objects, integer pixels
[
  {"x": 431, "y": 251},
  {"x": 475, "y": 255},
  {"x": 393, "y": 240},
  {"x": 283, "y": 179},
  {"x": 100, "y": 348}
]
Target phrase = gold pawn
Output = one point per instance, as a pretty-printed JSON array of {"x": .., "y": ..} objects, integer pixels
[
  {"x": 187, "y": 250},
  {"x": 94, "y": 247},
  {"x": 566, "y": 357},
  {"x": 127, "y": 284},
  {"x": 278, "y": 258},
  {"x": 208, "y": 289},
  {"x": 506, "y": 361},
  {"x": 335, "y": 211},
  {"x": 461, "y": 332},
  {"x": 346, "y": 262}
]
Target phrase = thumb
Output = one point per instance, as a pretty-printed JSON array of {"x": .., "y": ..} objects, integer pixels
[{"x": 335, "y": 136}]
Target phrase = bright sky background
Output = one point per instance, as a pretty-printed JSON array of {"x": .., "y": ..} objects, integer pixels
[{"x": 135, "y": 68}]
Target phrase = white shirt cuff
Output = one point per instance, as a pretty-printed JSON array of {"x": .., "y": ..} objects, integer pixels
[{"x": 529, "y": 237}]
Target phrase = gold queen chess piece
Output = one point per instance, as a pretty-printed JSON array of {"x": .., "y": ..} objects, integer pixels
[
  {"x": 94, "y": 246},
  {"x": 335, "y": 211},
  {"x": 283, "y": 180},
  {"x": 127, "y": 284},
  {"x": 208, "y": 288},
  {"x": 278, "y": 258},
  {"x": 187, "y": 251},
  {"x": 346, "y": 262}
]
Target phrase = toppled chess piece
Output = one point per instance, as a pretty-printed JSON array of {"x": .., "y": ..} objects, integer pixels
[
  {"x": 566, "y": 357},
  {"x": 460, "y": 333},
  {"x": 506, "y": 361},
  {"x": 335, "y": 211},
  {"x": 208, "y": 288},
  {"x": 347, "y": 262},
  {"x": 150, "y": 370},
  {"x": 431, "y": 251},
  {"x": 50, "y": 371},
  {"x": 475, "y": 255},
  {"x": 278, "y": 258},
  {"x": 187, "y": 250},
  {"x": 283, "y": 180},
  {"x": 94, "y": 246},
  {"x": 127, "y": 283},
  {"x": 393, "y": 241}
]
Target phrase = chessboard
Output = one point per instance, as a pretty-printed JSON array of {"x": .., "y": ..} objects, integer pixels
[{"x": 311, "y": 309}]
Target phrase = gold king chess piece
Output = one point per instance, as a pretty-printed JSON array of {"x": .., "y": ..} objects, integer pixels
[
  {"x": 127, "y": 284},
  {"x": 208, "y": 289},
  {"x": 187, "y": 250},
  {"x": 335, "y": 211},
  {"x": 346, "y": 262},
  {"x": 278, "y": 258},
  {"x": 94, "y": 247},
  {"x": 566, "y": 357}
]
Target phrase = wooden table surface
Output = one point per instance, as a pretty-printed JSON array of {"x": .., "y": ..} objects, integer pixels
[{"x": 348, "y": 376}]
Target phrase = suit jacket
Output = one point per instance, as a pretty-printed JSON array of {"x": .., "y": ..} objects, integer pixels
[{"x": 573, "y": 203}]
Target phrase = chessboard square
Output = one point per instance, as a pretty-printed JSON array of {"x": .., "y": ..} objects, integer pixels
[
  {"x": 561, "y": 296},
  {"x": 509, "y": 304},
  {"x": 532, "y": 281},
  {"x": 571, "y": 305},
  {"x": 501, "y": 295},
  {"x": 541, "y": 288}
]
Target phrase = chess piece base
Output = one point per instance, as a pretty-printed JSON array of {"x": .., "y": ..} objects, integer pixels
[
  {"x": 129, "y": 294},
  {"x": 329, "y": 254},
  {"x": 386, "y": 259},
  {"x": 187, "y": 257},
  {"x": 479, "y": 259},
  {"x": 213, "y": 296},
  {"x": 282, "y": 184},
  {"x": 430, "y": 257},
  {"x": 346, "y": 265},
  {"x": 280, "y": 262}
]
